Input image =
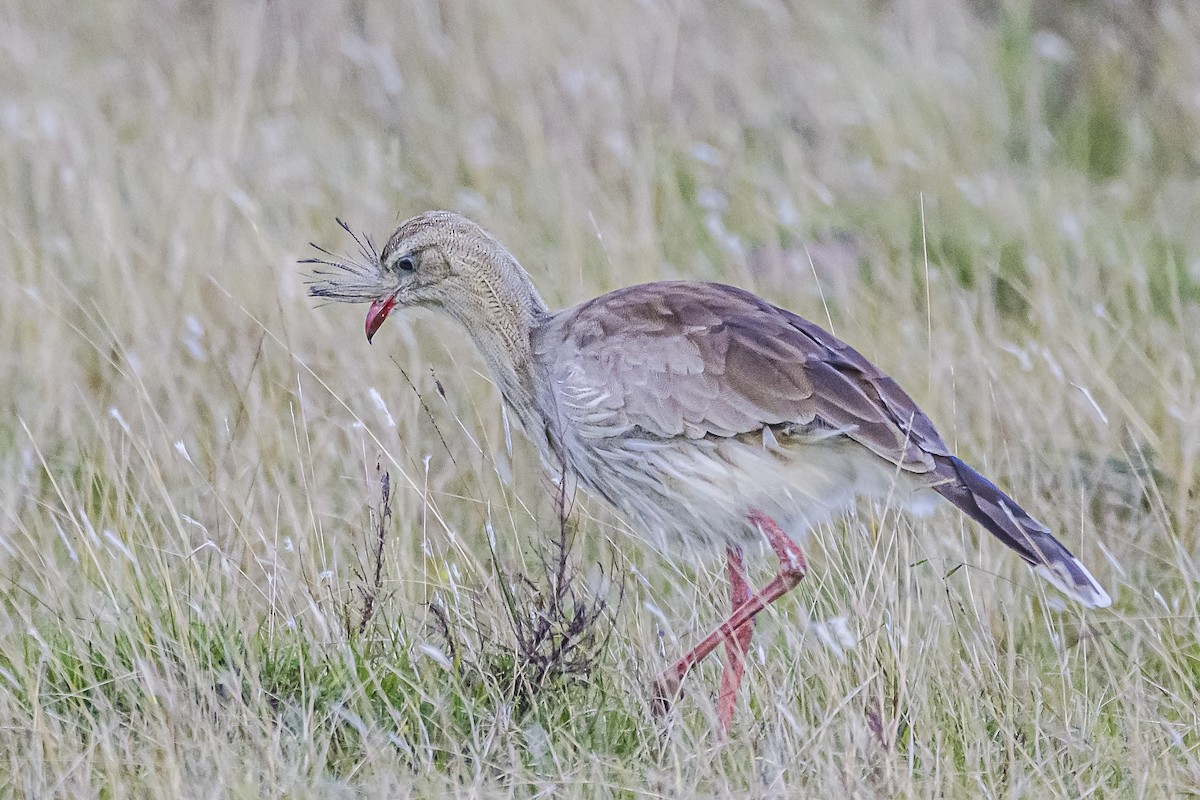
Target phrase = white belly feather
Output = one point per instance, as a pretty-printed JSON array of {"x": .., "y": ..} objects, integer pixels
[{"x": 699, "y": 491}]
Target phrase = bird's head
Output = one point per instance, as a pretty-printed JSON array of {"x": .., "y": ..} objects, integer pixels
[{"x": 438, "y": 260}]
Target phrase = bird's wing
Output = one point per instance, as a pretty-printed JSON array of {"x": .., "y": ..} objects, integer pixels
[{"x": 696, "y": 360}]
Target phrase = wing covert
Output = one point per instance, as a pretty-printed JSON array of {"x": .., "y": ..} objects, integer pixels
[{"x": 700, "y": 360}]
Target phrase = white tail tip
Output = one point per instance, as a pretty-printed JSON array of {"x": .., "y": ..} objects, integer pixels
[{"x": 1075, "y": 582}]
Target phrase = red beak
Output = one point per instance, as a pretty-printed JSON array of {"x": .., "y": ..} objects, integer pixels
[{"x": 378, "y": 313}]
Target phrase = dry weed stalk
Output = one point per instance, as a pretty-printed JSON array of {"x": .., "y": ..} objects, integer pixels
[
  {"x": 560, "y": 628},
  {"x": 380, "y": 515}
]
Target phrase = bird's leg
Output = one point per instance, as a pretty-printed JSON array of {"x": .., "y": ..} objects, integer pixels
[
  {"x": 736, "y": 645},
  {"x": 792, "y": 567}
]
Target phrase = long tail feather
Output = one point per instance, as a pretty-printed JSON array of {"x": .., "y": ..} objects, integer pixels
[{"x": 983, "y": 502}]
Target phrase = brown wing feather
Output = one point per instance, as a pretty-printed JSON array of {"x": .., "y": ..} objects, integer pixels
[{"x": 703, "y": 359}]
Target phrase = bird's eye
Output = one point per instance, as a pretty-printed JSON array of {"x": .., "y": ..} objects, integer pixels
[{"x": 405, "y": 263}]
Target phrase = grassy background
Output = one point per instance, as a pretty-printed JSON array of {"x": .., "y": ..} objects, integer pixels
[{"x": 996, "y": 202}]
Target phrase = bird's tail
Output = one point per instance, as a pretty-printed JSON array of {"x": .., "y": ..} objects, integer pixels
[{"x": 993, "y": 509}]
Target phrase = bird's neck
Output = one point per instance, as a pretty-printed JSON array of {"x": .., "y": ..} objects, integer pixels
[{"x": 500, "y": 326}]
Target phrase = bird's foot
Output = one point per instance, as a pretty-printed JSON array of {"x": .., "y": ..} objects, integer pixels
[{"x": 667, "y": 690}]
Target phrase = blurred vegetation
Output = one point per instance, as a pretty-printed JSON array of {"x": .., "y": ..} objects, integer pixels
[{"x": 996, "y": 201}]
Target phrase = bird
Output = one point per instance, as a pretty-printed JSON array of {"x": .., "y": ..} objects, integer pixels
[{"x": 710, "y": 417}]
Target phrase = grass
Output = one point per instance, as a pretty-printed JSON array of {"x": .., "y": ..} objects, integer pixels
[{"x": 994, "y": 201}]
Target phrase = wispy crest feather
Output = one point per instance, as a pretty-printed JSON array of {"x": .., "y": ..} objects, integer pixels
[{"x": 346, "y": 278}]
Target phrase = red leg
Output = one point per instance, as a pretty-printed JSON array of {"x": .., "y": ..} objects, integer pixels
[
  {"x": 792, "y": 568},
  {"x": 737, "y": 645}
]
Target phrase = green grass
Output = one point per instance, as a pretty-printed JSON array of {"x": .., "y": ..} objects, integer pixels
[{"x": 994, "y": 201}]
